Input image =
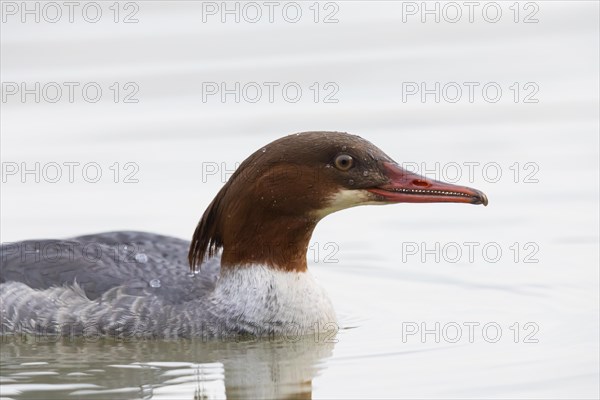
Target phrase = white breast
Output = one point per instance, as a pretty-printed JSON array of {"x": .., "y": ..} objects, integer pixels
[{"x": 286, "y": 302}]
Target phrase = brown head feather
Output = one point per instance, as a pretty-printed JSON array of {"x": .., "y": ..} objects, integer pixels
[{"x": 265, "y": 213}]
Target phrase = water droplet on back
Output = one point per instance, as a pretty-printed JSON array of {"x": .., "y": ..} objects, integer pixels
[
  {"x": 155, "y": 283},
  {"x": 141, "y": 258}
]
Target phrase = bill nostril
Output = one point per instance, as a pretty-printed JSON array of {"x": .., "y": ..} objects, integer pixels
[{"x": 420, "y": 183}]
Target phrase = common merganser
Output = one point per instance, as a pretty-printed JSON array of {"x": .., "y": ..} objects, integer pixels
[{"x": 246, "y": 271}]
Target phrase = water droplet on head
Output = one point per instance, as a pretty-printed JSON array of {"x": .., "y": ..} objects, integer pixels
[
  {"x": 124, "y": 247},
  {"x": 351, "y": 181},
  {"x": 328, "y": 166},
  {"x": 155, "y": 283},
  {"x": 141, "y": 258},
  {"x": 264, "y": 150}
]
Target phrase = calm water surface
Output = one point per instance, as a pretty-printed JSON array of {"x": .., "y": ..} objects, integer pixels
[{"x": 420, "y": 315}]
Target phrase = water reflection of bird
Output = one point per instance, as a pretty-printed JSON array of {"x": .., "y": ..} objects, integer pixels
[{"x": 185, "y": 369}]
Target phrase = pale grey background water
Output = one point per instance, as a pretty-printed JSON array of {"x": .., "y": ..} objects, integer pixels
[{"x": 360, "y": 255}]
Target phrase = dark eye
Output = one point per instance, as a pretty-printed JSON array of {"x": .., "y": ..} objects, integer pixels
[{"x": 344, "y": 162}]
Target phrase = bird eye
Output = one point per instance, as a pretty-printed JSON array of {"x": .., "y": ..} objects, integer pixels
[{"x": 344, "y": 162}]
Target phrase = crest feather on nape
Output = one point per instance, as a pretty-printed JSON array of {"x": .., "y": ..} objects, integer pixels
[{"x": 207, "y": 239}]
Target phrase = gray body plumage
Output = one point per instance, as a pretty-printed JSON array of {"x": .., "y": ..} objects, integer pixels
[{"x": 136, "y": 284}]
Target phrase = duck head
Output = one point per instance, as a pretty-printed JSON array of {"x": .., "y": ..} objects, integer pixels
[{"x": 265, "y": 214}]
